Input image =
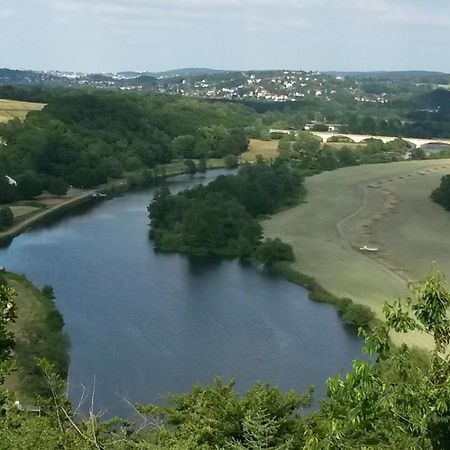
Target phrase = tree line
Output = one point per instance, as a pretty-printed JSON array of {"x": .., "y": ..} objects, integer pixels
[{"x": 83, "y": 138}]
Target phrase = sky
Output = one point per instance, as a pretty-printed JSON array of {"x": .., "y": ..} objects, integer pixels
[{"x": 154, "y": 35}]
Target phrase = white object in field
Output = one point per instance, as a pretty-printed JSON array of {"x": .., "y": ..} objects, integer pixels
[{"x": 365, "y": 248}]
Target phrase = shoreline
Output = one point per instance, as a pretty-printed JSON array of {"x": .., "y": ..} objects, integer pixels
[{"x": 113, "y": 187}]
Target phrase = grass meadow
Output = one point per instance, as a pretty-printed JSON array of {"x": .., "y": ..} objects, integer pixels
[
  {"x": 385, "y": 206},
  {"x": 267, "y": 149}
]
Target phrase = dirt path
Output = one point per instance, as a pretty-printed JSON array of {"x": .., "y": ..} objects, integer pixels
[{"x": 27, "y": 223}]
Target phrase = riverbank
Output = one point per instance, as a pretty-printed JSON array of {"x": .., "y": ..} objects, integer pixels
[
  {"x": 78, "y": 197},
  {"x": 38, "y": 333}
]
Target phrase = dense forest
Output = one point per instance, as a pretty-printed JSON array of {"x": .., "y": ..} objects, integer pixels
[
  {"x": 220, "y": 218},
  {"x": 83, "y": 138},
  {"x": 399, "y": 399}
]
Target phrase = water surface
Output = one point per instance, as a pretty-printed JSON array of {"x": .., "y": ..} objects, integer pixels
[{"x": 144, "y": 323}]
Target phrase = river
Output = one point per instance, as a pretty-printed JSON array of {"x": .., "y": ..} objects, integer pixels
[{"x": 144, "y": 323}]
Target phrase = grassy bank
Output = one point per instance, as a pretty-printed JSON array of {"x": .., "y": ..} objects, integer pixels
[
  {"x": 385, "y": 206},
  {"x": 52, "y": 207},
  {"x": 38, "y": 332},
  {"x": 352, "y": 314}
]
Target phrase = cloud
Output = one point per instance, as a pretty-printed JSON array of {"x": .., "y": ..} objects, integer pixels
[{"x": 230, "y": 33}]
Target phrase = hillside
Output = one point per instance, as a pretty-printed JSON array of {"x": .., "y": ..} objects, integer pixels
[{"x": 10, "y": 109}]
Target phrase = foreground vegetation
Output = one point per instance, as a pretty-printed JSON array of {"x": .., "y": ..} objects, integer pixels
[
  {"x": 38, "y": 333},
  {"x": 398, "y": 400}
]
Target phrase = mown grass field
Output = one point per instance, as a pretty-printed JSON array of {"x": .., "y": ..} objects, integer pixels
[
  {"x": 386, "y": 206},
  {"x": 10, "y": 109},
  {"x": 266, "y": 149}
]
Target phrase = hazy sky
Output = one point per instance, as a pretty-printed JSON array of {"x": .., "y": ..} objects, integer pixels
[{"x": 114, "y": 35}]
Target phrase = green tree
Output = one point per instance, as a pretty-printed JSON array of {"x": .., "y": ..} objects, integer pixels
[
  {"x": 231, "y": 161},
  {"x": 202, "y": 166},
  {"x": 394, "y": 402},
  {"x": 6, "y": 216},
  {"x": 58, "y": 187},
  {"x": 190, "y": 166},
  {"x": 272, "y": 250},
  {"x": 29, "y": 184},
  {"x": 7, "y": 317},
  {"x": 441, "y": 194}
]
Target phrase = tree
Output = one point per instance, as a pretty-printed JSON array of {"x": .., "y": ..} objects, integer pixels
[
  {"x": 6, "y": 216},
  {"x": 441, "y": 194},
  {"x": 8, "y": 191},
  {"x": 215, "y": 416},
  {"x": 7, "y": 317},
  {"x": 346, "y": 157},
  {"x": 273, "y": 250},
  {"x": 231, "y": 161},
  {"x": 190, "y": 166},
  {"x": 58, "y": 187},
  {"x": 397, "y": 401},
  {"x": 202, "y": 166},
  {"x": 29, "y": 184}
]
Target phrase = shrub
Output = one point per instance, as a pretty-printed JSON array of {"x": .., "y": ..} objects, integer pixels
[
  {"x": 358, "y": 315},
  {"x": 231, "y": 161},
  {"x": 274, "y": 250},
  {"x": 6, "y": 216}
]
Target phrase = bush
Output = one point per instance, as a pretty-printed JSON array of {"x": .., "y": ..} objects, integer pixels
[
  {"x": 58, "y": 187},
  {"x": 441, "y": 194},
  {"x": 231, "y": 161},
  {"x": 274, "y": 250},
  {"x": 358, "y": 315},
  {"x": 190, "y": 166},
  {"x": 6, "y": 216}
]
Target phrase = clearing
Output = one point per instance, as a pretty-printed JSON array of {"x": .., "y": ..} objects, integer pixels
[
  {"x": 380, "y": 206},
  {"x": 266, "y": 149},
  {"x": 11, "y": 109}
]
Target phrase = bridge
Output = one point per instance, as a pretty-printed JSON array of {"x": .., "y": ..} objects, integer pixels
[{"x": 326, "y": 135}]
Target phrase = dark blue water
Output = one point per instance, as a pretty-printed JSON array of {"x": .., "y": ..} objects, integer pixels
[{"x": 143, "y": 323}]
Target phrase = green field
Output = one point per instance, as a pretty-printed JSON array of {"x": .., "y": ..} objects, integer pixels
[
  {"x": 385, "y": 206},
  {"x": 11, "y": 109}
]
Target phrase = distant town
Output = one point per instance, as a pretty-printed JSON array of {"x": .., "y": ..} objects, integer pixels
[{"x": 273, "y": 86}]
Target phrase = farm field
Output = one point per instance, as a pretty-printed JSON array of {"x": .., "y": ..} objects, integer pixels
[
  {"x": 383, "y": 206},
  {"x": 10, "y": 109},
  {"x": 267, "y": 149}
]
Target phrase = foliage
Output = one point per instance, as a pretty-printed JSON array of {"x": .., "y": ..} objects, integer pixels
[
  {"x": 7, "y": 317},
  {"x": 392, "y": 403},
  {"x": 216, "y": 417},
  {"x": 82, "y": 138},
  {"x": 58, "y": 186},
  {"x": 190, "y": 165},
  {"x": 6, "y": 217},
  {"x": 272, "y": 250},
  {"x": 44, "y": 329},
  {"x": 220, "y": 218},
  {"x": 441, "y": 194},
  {"x": 231, "y": 161},
  {"x": 400, "y": 400}
]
